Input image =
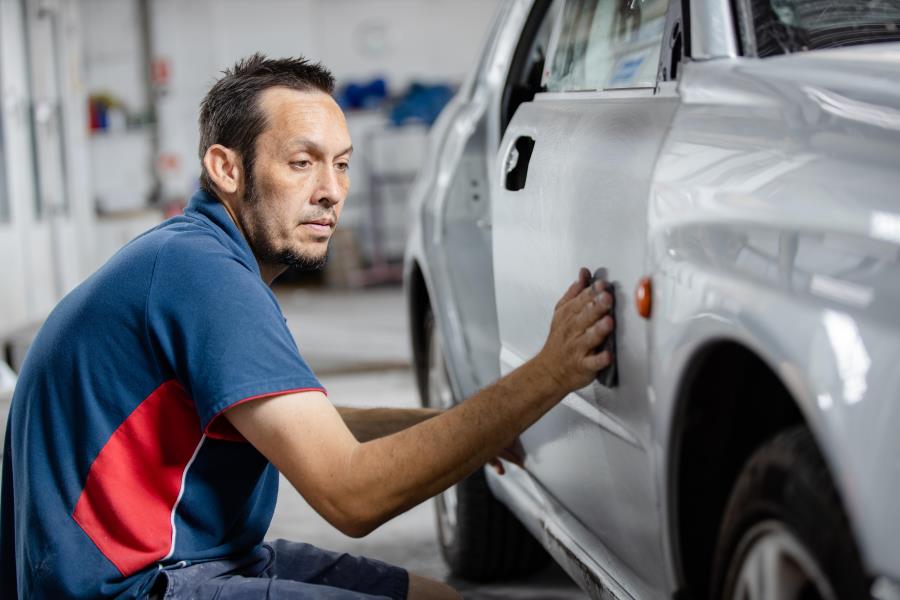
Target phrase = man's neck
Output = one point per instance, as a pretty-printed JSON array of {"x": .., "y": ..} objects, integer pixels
[{"x": 268, "y": 272}]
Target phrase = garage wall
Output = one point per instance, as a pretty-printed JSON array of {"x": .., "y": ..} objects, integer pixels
[
  {"x": 402, "y": 40},
  {"x": 434, "y": 40}
]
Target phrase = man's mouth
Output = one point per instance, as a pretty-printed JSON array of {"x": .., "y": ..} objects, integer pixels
[{"x": 320, "y": 226}]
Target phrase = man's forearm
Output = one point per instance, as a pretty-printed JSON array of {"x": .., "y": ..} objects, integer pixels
[
  {"x": 396, "y": 472},
  {"x": 368, "y": 424}
]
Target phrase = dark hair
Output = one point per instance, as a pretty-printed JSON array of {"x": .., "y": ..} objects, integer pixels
[{"x": 230, "y": 114}]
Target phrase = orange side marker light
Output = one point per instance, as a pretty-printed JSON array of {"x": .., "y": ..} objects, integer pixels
[{"x": 643, "y": 297}]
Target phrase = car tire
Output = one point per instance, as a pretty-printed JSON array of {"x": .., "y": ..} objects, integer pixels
[
  {"x": 784, "y": 529},
  {"x": 479, "y": 537}
]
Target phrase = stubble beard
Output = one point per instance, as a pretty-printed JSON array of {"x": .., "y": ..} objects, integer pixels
[{"x": 260, "y": 240}]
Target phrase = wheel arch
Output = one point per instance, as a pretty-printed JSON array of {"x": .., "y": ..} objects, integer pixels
[
  {"x": 729, "y": 401},
  {"x": 419, "y": 304}
]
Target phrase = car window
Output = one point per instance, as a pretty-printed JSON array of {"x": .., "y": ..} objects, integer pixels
[
  {"x": 607, "y": 44},
  {"x": 773, "y": 27}
]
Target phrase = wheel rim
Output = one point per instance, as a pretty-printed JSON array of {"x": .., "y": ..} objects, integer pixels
[
  {"x": 440, "y": 395},
  {"x": 773, "y": 564}
]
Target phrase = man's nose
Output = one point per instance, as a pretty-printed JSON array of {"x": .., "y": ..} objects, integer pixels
[{"x": 330, "y": 190}]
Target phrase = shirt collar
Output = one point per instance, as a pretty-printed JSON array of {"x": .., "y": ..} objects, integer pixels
[{"x": 210, "y": 209}]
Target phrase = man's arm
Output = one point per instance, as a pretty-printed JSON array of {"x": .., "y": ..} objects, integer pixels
[
  {"x": 367, "y": 424},
  {"x": 357, "y": 486}
]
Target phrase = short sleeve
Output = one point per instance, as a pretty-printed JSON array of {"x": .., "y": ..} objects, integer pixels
[{"x": 217, "y": 328}]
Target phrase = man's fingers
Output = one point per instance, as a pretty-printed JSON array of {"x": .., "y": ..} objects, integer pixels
[
  {"x": 593, "y": 292},
  {"x": 581, "y": 300},
  {"x": 593, "y": 309},
  {"x": 597, "y": 332},
  {"x": 597, "y": 362},
  {"x": 510, "y": 455},
  {"x": 514, "y": 453},
  {"x": 584, "y": 277}
]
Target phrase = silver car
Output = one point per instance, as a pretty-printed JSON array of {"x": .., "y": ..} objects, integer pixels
[{"x": 735, "y": 169}]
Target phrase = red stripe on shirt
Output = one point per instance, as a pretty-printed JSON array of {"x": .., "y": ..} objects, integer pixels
[{"x": 133, "y": 484}]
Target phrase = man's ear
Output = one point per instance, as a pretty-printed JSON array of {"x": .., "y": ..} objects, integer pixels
[{"x": 223, "y": 165}]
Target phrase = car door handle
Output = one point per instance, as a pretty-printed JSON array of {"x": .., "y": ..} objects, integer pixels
[{"x": 517, "y": 163}]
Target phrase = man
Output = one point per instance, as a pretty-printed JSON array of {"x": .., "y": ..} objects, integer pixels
[{"x": 159, "y": 394}]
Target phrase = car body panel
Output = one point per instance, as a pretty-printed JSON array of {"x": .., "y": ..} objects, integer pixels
[
  {"x": 774, "y": 222},
  {"x": 576, "y": 548}
]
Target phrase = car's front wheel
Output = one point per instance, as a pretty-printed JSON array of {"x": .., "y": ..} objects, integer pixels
[
  {"x": 479, "y": 538},
  {"x": 785, "y": 535}
]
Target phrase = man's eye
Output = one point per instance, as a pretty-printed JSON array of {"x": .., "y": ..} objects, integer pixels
[
  {"x": 301, "y": 163},
  {"x": 342, "y": 166}
]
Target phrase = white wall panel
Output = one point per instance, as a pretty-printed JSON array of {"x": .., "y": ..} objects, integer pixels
[
  {"x": 13, "y": 299},
  {"x": 39, "y": 265},
  {"x": 35, "y": 270},
  {"x": 81, "y": 208},
  {"x": 13, "y": 92}
]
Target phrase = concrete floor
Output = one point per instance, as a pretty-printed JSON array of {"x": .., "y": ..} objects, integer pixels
[{"x": 358, "y": 345}]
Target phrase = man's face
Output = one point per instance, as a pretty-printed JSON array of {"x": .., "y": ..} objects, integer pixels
[{"x": 295, "y": 193}]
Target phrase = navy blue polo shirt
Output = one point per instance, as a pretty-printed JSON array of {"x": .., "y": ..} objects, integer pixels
[{"x": 117, "y": 459}]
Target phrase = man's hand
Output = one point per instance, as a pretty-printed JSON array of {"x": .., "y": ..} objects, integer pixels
[
  {"x": 580, "y": 324},
  {"x": 514, "y": 453}
]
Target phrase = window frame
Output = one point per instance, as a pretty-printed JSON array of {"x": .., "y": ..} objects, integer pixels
[
  {"x": 479, "y": 74},
  {"x": 745, "y": 33},
  {"x": 540, "y": 12}
]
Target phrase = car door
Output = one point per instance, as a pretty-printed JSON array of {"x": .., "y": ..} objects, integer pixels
[
  {"x": 462, "y": 248},
  {"x": 571, "y": 190}
]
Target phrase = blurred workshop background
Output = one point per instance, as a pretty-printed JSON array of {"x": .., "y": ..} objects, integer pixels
[
  {"x": 98, "y": 142},
  {"x": 98, "y": 136}
]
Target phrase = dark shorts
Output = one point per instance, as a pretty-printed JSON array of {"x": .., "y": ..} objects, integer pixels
[{"x": 283, "y": 570}]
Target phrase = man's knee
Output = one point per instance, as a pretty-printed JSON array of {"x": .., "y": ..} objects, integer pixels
[{"x": 423, "y": 588}]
